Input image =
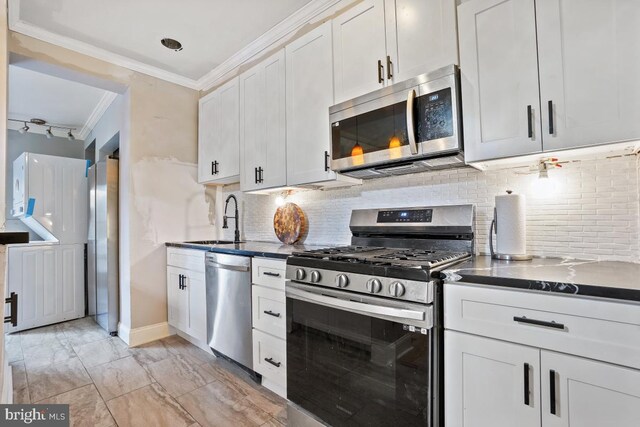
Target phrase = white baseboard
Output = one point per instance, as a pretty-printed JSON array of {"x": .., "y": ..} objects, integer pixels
[{"x": 144, "y": 334}]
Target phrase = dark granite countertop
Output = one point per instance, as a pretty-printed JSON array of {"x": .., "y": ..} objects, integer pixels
[
  {"x": 606, "y": 279},
  {"x": 257, "y": 249}
]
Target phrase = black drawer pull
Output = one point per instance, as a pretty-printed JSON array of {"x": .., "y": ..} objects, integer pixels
[
  {"x": 270, "y": 360},
  {"x": 269, "y": 273},
  {"x": 13, "y": 318},
  {"x": 529, "y": 122},
  {"x": 271, "y": 313},
  {"x": 551, "y": 324},
  {"x": 327, "y": 168},
  {"x": 526, "y": 384},
  {"x": 552, "y": 392}
]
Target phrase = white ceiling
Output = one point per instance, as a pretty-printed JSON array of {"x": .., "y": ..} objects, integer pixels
[
  {"x": 211, "y": 31},
  {"x": 58, "y": 101}
]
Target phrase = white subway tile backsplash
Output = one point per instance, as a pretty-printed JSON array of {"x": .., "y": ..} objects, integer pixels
[{"x": 586, "y": 209}]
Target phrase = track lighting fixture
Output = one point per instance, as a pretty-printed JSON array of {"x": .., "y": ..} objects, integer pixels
[{"x": 49, "y": 132}]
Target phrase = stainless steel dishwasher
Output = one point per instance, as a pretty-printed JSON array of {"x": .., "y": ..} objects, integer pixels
[{"x": 229, "y": 307}]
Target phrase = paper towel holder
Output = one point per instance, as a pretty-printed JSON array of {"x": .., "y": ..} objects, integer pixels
[{"x": 493, "y": 228}]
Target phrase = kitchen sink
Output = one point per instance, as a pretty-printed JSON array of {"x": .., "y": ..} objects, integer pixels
[{"x": 212, "y": 242}]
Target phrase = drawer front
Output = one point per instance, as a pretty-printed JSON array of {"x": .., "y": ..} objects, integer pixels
[
  {"x": 269, "y": 310},
  {"x": 268, "y": 272},
  {"x": 190, "y": 259},
  {"x": 601, "y": 330},
  {"x": 270, "y": 357}
]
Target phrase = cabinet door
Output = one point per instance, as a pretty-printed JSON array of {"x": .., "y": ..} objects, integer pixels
[
  {"x": 252, "y": 143},
  {"x": 589, "y": 67},
  {"x": 207, "y": 137},
  {"x": 486, "y": 382},
  {"x": 176, "y": 299},
  {"x": 499, "y": 71},
  {"x": 309, "y": 78},
  {"x": 263, "y": 125},
  {"x": 588, "y": 393},
  {"x": 421, "y": 36},
  {"x": 219, "y": 137},
  {"x": 359, "y": 50},
  {"x": 197, "y": 305}
]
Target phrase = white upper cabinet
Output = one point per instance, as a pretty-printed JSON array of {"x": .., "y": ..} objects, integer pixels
[
  {"x": 263, "y": 125},
  {"x": 359, "y": 50},
  {"x": 499, "y": 73},
  {"x": 589, "y": 53},
  {"x": 421, "y": 36},
  {"x": 309, "y": 94},
  {"x": 219, "y": 135},
  {"x": 381, "y": 42}
]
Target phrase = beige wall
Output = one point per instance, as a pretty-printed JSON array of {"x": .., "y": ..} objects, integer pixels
[{"x": 160, "y": 198}]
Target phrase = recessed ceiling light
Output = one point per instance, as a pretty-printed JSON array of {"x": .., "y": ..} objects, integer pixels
[{"x": 171, "y": 44}]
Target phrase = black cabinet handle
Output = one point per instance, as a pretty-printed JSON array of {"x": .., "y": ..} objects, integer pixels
[
  {"x": 552, "y": 324},
  {"x": 13, "y": 317},
  {"x": 271, "y": 313},
  {"x": 214, "y": 167},
  {"x": 552, "y": 392},
  {"x": 260, "y": 170},
  {"x": 551, "y": 130},
  {"x": 380, "y": 72},
  {"x": 327, "y": 168},
  {"x": 255, "y": 175},
  {"x": 529, "y": 122},
  {"x": 389, "y": 68},
  {"x": 526, "y": 384},
  {"x": 179, "y": 281},
  {"x": 269, "y": 273},
  {"x": 270, "y": 360}
]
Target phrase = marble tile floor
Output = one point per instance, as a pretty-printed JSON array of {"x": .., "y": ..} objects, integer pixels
[{"x": 168, "y": 382}]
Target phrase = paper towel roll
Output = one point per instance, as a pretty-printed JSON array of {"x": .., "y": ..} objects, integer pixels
[{"x": 511, "y": 224}]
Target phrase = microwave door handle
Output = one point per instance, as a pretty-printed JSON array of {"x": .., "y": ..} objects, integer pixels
[{"x": 411, "y": 125}]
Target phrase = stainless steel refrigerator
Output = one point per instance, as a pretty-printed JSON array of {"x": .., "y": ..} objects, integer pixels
[{"x": 102, "y": 249}]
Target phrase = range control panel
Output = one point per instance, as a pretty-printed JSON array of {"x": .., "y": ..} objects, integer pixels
[{"x": 413, "y": 215}]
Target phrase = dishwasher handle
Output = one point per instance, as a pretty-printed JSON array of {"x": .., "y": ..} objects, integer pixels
[{"x": 243, "y": 268}]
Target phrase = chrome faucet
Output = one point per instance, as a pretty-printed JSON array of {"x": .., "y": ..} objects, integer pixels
[{"x": 236, "y": 238}]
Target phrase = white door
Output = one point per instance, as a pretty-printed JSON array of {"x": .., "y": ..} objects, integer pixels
[
  {"x": 197, "y": 301},
  {"x": 421, "y": 36},
  {"x": 490, "y": 383},
  {"x": 588, "y": 393},
  {"x": 176, "y": 299},
  {"x": 589, "y": 54},
  {"x": 359, "y": 51},
  {"x": 499, "y": 72},
  {"x": 252, "y": 143},
  {"x": 263, "y": 125},
  {"x": 207, "y": 137},
  {"x": 309, "y": 95}
]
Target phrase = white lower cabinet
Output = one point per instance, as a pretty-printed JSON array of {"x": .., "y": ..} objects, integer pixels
[
  {"x": 49, "y": 282},
  {"x": 517, "y": 358},
  {"x": 186, "y": 292},
  {"x": 268, "y": 305}
]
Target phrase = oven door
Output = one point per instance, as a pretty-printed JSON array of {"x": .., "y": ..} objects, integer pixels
[{"x": 358, "y": 360}]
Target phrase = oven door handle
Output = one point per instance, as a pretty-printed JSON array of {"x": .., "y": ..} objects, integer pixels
[{"x": 400, "y": 315}]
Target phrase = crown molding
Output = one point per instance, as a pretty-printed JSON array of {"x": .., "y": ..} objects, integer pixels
[
  {"x": 19, "y": 26},
  {"x": 290, "y": 24},
  {"x": 97, "y": 113},
  {"x": 287, "y": 26}
]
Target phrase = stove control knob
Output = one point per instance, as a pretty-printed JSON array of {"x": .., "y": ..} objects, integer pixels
[
  {"x": 396, "y": 289},
  {"x": 374, "y": 286},
  {"x": 300, "y": 274},
  {"x": 342, "y": 281},
  {"x": 315, "y": 276}
]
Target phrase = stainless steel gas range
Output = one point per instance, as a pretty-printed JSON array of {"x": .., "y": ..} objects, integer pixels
[{"x": 364, "y": 322}]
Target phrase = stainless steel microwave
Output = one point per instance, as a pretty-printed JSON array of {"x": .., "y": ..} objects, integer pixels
[{"x": 411, "y": 126}]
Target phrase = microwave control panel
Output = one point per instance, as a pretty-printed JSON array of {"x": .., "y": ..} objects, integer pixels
[
  {"x": 437, "y": 115},
  {"x": 414, "y": 215}
]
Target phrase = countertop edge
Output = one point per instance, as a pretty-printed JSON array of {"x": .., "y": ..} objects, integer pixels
[{"x": 229, "y": 251}]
